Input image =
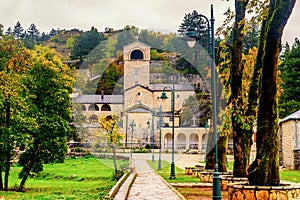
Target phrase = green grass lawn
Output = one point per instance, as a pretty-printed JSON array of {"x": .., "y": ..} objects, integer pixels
[
  {"x": 81, "y": 178},
  {"x": 181, "y": 177},
  {"x": 290, "y": 175}
]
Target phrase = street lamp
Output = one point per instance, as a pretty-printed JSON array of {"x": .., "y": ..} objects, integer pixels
[
  {"x": 195, "y": 33},
  {"x": 152, "y": 135},
  {"x": 163, "y": 97},
  {"x": 160, "y": 124},
  {"x": 132, "y": 125}
]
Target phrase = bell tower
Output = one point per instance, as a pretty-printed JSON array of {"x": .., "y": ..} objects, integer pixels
[{"x": 136, "y": 64}]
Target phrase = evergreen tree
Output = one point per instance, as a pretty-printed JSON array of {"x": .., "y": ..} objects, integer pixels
[
  {"x": 18, "y": 30},
  {"x": 31, "y": 36},
  {"x": 1, "y": 29},
  {"x": 33, "y": 33},
  {"x": 289, "y": 100},
  {"x": 9, "y": 31},
  {"x": 85, "y": 43},
  {"x": 53, "y": 32}
]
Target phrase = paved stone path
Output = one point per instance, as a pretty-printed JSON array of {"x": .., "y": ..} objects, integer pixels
[{"x": 149, "y": 186}]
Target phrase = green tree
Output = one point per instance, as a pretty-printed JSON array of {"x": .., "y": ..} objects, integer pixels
[
  {"x": 51, "y": 108},
  {"x": 31, "y": 36},
  {"x": 70, "y": 43},
  {"x": 85, "y": 43},
  {"x": 14, "y": 63},
  {"x": 18, "y": 30},
  {"x": 9, "y": 31},
  {"x": 110, "y": 126},
  {"x": 125, "y": 37},
  {"x": 289, "y": 100},
  {"x": 152, "y": 38},
  {"x": 1, "y": 29},
  {"x": 33, "y": 32}
]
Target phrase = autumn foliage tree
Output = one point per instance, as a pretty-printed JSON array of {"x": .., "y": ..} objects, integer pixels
[
  {"x": 34, "y": 108},
  {"x": 14, "y": 62},
  {"x": 50, "y": 83},
  {"x": 109, "y": 125}
]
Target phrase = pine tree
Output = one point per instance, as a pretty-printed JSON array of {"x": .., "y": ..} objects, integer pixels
[
  {"x": 18, "y": 30},
  {"x": 289, "y": 101},
  {"x": 33, "y": 32}
]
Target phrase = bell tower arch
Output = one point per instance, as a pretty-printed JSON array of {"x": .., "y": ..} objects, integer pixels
[{"x": 136, "y": 64}]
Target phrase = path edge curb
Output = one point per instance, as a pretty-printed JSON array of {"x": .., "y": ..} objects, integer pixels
[{"x": 170, "y": 186}]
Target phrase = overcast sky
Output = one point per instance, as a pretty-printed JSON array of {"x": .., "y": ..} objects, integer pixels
[{"x": 145, "y": 14}]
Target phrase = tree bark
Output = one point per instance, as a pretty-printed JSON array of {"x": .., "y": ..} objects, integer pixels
[
  {"x": 29, "y": 166},
  {"x": 1, "y": 181},
  {"x": 239, "y": 146},
  {"x": 267, "y": 170},
  {"x": 210, "y": 152},
  {"x": 222, "y": 153},
  {"x": 8, "y": 145},
  {"x": 115, "y": 162}
]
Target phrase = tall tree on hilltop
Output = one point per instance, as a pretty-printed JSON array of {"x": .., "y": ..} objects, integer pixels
[
  {"x": 125, "y": 37},
  {"x": 9, "y": 31},
  {"x": 1, "y": 29},
  {"x": 31, "y": 36},
  {"x": 85, "y": 43},
  {"x": 18, "y": 30}
]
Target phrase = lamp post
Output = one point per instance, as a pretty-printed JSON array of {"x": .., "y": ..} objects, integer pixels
[
  {"x": 160, "y": 124},
  {"x": 152, "y": 135},
  {"x": 132, "y": 125},
  {"x": 163, "y": 97},
  {"x": 196, "y": 34},
  {"x": 153, "y": 115}
]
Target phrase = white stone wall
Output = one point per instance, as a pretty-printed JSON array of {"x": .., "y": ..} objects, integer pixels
[{"x": 289, "y": 131}]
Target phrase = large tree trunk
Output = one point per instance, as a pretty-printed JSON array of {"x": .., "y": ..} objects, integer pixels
[
  {"x": 115, "y": 162},
  {"x": 8, "y": 145},
  {"x": 254, "y": 90},
  {"x": 239, "y": 146},
  {"x": 210, "y": 152},
  {"x": 1, "y": 181},
  {"x": 222, "y": 153},
  {"x": 265, "y": 170},
  {"x": 27, "y": 168}
]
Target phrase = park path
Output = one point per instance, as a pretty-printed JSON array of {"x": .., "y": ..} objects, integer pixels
[{"x": 148, "y": 185}]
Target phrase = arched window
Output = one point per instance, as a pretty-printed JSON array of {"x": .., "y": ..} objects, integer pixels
[
  {"x": 93, "y": 107},
  {"x": 105, "y": 107},
  {"x": 83, "y": 108},
  {"x": 137, "y": 55}
]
